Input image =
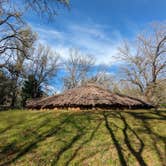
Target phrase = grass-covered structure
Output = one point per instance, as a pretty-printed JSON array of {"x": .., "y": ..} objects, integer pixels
[{"x": 89, "y": 96}]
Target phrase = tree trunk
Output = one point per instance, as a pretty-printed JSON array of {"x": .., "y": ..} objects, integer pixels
[{"x": 13, "y": 100}]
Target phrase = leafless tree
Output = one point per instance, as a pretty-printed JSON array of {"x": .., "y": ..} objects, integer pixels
[
  {"x": 46, "y": 8},
  {"x": 145, "y": 61},
  {"x": 12, "y": 61},
  {"x": 157, "y": 93},
  {"x": 16, "y": 39},
  {"x": 77, "y": 68},
  {"x": 11, "y": 22},
  {"x": 15, "y": 35},
  {"x": 102, "y": 78},
  {"x": 43, "y": 65}
]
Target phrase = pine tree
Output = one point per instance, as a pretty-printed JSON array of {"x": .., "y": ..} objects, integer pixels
[{"x": 31, "y": 89}]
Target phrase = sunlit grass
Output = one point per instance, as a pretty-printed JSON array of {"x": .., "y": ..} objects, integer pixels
[{"x": 61, "y": 137}]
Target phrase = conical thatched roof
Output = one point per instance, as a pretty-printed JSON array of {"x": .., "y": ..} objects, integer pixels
[{"x": 88, "y": 96}]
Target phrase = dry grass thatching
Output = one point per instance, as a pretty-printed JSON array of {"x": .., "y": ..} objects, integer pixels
[{"x": 87, "y": 97}]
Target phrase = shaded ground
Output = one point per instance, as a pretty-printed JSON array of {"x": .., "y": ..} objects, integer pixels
[{"x": 64, "y": 138}]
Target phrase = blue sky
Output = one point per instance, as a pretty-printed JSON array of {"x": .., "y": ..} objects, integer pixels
[{"x": 97, "y": 27}]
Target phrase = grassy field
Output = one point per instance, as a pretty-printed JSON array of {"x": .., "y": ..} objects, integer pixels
[{"x": 43, "y": 138}]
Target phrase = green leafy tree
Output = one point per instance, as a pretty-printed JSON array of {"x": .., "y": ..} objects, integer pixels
[{"x": 30, "y": 89}]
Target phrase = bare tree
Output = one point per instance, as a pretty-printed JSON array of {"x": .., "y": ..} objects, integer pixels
[
  {"x": 146, "y": 60},
  {"x": 102, "y": 78},
  {"x": 12, "y": 62},
  {"x": 11, "y": 22},
  {"x": 157, "y": 93},
  {"x": 77, "y": 68},
  {"x": 46, "y": 8},
  {"x": 15, "y": 35},
  {"x": 43, "y": 65},
  {"x": 43, "y": 7},
  {"x": 16, "y": 39}
]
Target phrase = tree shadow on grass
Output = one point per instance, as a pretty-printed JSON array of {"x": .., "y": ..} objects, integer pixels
[
  {"x": 136, "y": 153},
  {"x": 20, "y": 122},
  {"x": 91, "y": 155},
  {"x": 80, "y": 127},
  {"x": 80, "y": 122},
  {"x": 19, "y": 152},
  {"x": 12, "y": 152},
  {"x": 145, "y": 118},
  {"x": 11, "y": 149},
  {"x": 83, "y": 143},
  {"x": 66, "y": 147},
  {"x": 10, "y": 127},
  {"x": 153, "y": 135},
  {"x": 160, "y": 113},
  {"x": 115, "y": 140},
  {"x": 154, "y": 115}
]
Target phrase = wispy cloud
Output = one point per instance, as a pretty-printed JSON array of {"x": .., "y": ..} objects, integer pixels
[
  {"x": 46, "y": 33},
  {"x": 91, "y": 39}
]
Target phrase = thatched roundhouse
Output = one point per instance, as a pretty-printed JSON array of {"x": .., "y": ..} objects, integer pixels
[{"x": 87, "y": 97}]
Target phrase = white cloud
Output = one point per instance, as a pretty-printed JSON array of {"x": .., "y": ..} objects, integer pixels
[
  {"x": 45, "y": 33},
  {"x": 89, "y": 30},
  {"x": 91, "y": 39}
]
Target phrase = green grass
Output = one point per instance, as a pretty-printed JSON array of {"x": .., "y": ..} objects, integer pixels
[{"x": 43, "y": 138}]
